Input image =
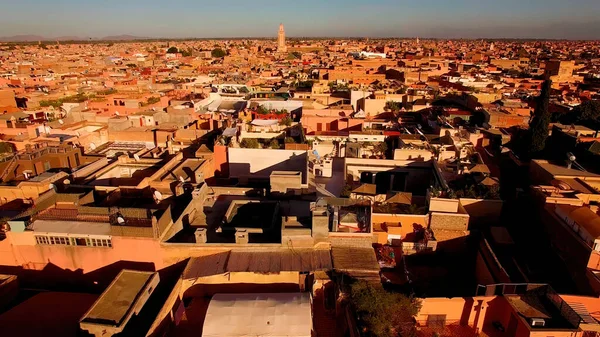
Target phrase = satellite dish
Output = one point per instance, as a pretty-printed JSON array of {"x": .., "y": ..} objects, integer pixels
[
  {"x": 158, "y": 196},
  {"x": 571, "y": 157},
  {"x": 136, "y": 157},
  {"x": 52, "y": 187},
  {"x": 181, "y": 179},
  {"x": 116, "y": 113},
  {"x": 61, "y": 122},
  {"x": 66, "y": 181},
  {"x": 92, "y": 146},
  {"x": 120, "y": 220}
]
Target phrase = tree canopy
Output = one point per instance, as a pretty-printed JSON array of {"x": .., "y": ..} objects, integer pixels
[
  {"x": 538, "y": 127},
  {"x": 172, "y": 50},
  {"x": 249, "y": 143},
  {"x": 218, "y": 53},
  {"x": 586, "y": 114},
  {"x": 382, "y": 313},
  {"x": 6, "y": 147}
]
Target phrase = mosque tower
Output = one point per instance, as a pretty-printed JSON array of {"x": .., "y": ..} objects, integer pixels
[{"x": 281, "y": 40}]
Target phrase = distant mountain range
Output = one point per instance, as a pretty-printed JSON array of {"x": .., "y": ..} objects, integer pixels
[{"x": 35, "y": 38}]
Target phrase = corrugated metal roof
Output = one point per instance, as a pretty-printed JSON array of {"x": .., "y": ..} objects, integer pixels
[
  {"x": 354, "y": 259},
  {"x": 303, "y": 260}
]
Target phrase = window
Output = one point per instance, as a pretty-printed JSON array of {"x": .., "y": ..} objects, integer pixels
[
  {"x": 72, "y": 241},
  {"x": 42, "y": 240},
  {"x": 100, "y": 242},
  {"x": 436, "y": 321}
]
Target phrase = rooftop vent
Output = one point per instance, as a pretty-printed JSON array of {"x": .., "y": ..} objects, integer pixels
[{"x": 538, "y": 322}]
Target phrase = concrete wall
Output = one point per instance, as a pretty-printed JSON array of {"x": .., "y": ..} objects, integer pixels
[
  {"x": 449, "y": 221},
  {"x": 477, "y": 313},
  {"x": 261, "y": 163},
  {"x": 235, "y": 281},
  {"x": 418, "y": 178},
  {"x": 20, "y": 249},
  {"x": 407, "y": 223},
  {"x": 330, "y": 123},
  {"x": 167, "y": 315},
  {"x": 412, "y": 154},
  {"x": 482, "y": 212},
  {"x": 90, "y": 168},
  {"x": 488, "y": 268},
  {"x": 480, "y": 313}
]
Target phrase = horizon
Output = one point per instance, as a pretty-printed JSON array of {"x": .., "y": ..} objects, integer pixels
[
  {"x": 466, "y": 19},
  {"x": 136, "y": 38}
]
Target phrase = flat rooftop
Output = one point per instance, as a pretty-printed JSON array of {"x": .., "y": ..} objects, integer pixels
[
  {"x": 275, "y": 314},
  {"x": 535, "y": 305},
  {"x": 71, "y": 227},
  {"x": 119, "y": 298},
  {"x": 251, "y": 215}
]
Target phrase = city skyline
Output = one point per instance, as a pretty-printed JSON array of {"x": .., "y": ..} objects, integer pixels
[{"x": 379, "y": 19}]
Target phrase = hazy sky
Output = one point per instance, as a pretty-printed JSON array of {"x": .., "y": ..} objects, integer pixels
[{"x": 574, "y": 19}]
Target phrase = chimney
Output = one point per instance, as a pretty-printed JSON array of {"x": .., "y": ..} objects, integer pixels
[
  {"x": 200, "y": 235},
  {"x": 241, "y": 237}
]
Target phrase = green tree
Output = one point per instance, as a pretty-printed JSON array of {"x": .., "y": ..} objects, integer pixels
[
  {"x": 294, "y": 55},
  {"x": 6, "y": 147},
  {"x": 538, "y": 127},
  {"x": 249, "y": 143},
  {"x": 187, "y": 53},
  {"x": 346, "y": 191},
  {"x": 261, "y": 110},
  {"x": 274, "y": 144},
  {"x": 384, "y": 314},
  {"x": 393, "y": 106},
  {"x": 287, "y": 121},
  {"x": 380, "y": 148},
  {"x": 151, "y": 100},
  {"x": 586, "y": 113},
  {"x": 218, "y": 53},
  {"x": 173, "y": 50}
]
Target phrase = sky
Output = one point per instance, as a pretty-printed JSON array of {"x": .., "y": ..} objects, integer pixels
[{"x": 558, "y": 19}]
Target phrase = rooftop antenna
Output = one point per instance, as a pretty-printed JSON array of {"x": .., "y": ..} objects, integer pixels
[
  {"x": 571, "y": 159},
  {"x": 136, "y": 157}
]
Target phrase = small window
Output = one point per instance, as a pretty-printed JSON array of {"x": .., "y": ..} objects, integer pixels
[
  {"x": 436, "y": 321},
  {"x": 80, "y": 242}
]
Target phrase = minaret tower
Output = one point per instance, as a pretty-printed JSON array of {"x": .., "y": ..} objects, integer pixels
[{"x": 281, "y": 47}]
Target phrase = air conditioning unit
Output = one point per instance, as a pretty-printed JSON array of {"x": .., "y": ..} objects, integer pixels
[{"x": 538, "y": 322}]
